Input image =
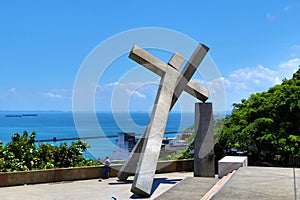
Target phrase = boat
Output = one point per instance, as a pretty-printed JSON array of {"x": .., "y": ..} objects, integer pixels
[
  {"x": 29, "y": 115},
  {"x": 13, "y": 115}
]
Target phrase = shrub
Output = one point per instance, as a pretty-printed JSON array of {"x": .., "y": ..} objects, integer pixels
[{"x": 22, "y": 154}]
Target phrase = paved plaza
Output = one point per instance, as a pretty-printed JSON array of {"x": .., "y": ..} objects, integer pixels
[
  {"x": 89, "y": 189},
  {"x": 246, "y": 183}
]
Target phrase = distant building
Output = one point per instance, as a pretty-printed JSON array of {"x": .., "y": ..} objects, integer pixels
[
  {"x": 179, "y": 143},
  {"x": 185, "y": 135},
  {"x": 124, "y": 145},
  {"x": 126, "y": 141}
]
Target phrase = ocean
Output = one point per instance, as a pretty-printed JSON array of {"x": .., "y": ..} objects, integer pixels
[{"x": 61, "y": 125}]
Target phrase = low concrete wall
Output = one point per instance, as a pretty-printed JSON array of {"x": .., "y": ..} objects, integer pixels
[
  {"x": 175, "y": 166},
  {"x": 81, "y": 173}
]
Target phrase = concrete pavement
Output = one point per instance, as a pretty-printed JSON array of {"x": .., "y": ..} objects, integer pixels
[
  {"x": 262, "y": 183},
  {"x": 89, "y": 189},
  {"x": 189, "y": 188},
  {"x": 246, "y": 183}
]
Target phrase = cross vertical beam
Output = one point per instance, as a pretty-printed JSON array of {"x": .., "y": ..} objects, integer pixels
[{"x": 172, "y": 84}]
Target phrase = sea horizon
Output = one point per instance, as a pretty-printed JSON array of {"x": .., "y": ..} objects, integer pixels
[{"x": 60, "y": 124}]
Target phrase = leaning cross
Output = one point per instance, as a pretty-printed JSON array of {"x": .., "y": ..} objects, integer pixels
[{"x": 143, "y": 159}]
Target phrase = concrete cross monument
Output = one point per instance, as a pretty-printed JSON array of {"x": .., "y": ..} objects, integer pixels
[{"x": 143, "y": 159}]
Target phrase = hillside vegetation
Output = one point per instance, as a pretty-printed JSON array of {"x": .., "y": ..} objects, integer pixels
[
  {"x": 266, "y": 126},
  {"x": 22, "y": 154}
]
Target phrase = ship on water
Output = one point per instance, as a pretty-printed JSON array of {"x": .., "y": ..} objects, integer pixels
[
  {"x": 21, "y": 115},
  {"x": 29, "y": 115},
  {"x": 13, "y": 115}
]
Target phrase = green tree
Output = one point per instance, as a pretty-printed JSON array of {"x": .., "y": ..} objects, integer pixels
[
  {"x": 19, "y": 154},
  {"x": 63, "y": 155},
  {"x": 266, "y": 126},
  {"x": 22, "y": 154}
]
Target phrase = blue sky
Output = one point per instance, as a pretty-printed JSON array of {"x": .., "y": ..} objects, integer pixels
[{"x": 254, "y": 44}]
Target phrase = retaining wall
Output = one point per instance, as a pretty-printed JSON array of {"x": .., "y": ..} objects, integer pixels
[{"x": 81, "y": 173}]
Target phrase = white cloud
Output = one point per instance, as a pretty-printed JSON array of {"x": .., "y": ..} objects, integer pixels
[
  {"x": 13, "y": 91},
  {"x": 271, "y": 17},
  {"x": 288, "y": 68},
  {"x": 252, "y": 77},
  {"x": 57, "y": 93},
  {"x": 113, "y": 84},
  {"x": 119, "y": 95},
  {"x": 130, "y": 86},
  {"x": 291, "y": 64},
  {"x": 296, "y": 47},
  {"x": 279, "y": 13},
  {"x": 53, "y": 95},
  {"x": 135, "y": 93},
  {"x": 59, "y": 90},
  {"x": 287, "y": 8},
  {"x": 240, "y": 83},
  {"x": 217, "y": 85}
]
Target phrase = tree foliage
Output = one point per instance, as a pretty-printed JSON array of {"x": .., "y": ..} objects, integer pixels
[
  {"x": 266, "y": 126},
  {"x": 22, "y": 154},
  {"x": 187, "y": 153}
]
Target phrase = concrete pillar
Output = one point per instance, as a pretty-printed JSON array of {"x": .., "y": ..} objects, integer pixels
[{"x": 204, "y": 158}]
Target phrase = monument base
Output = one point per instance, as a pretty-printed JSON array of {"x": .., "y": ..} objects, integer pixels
[{"x": 204, "y": 158}]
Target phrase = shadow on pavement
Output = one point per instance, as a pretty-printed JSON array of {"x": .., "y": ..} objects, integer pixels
[{"x": 156, "y": 183}]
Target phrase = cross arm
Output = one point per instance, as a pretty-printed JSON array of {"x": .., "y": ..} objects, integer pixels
[
  {"x": 189, "y": 70},
  {"x": 157, "y": 66},
  {"x": 144, "y": 58},
  {"x": 196, "y": 90}
]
